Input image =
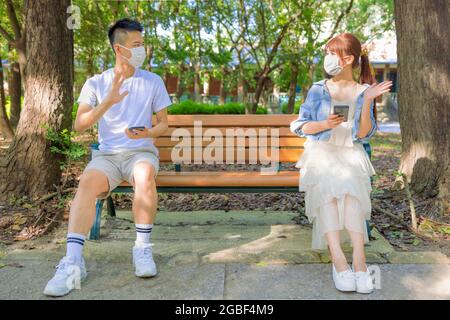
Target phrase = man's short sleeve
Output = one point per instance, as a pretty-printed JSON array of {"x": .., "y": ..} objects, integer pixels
[
  {"x": 87, "y": 94},
  {"x": 161, "y": 98}
]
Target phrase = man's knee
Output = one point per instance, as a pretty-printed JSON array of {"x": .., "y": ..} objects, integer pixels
[
  {"x": 93, "y": 182},
  {"x": 144, "y": 177}
]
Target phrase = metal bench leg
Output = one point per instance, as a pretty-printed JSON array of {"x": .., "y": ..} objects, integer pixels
[
  {"x": 368, "y": 228},
  {"x": 368, "y": 149},
  {"x": 110, "y": 207},
  {"x": 94, "y": 234}
]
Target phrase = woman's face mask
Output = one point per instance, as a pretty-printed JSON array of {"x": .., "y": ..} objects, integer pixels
[
  {"x": 137, "y": 56},
  {"x": 331, "y": 64}
]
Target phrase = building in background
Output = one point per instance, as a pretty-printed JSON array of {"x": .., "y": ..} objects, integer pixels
[{"x": 383, "y": 57}]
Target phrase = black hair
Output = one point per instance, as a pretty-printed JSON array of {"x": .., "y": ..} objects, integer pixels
[{"x": 123, "y": 25}]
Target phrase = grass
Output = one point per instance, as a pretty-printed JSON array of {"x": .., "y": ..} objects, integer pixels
[{"x": 390, "y": 141}]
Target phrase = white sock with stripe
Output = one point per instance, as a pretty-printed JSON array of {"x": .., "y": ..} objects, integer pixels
[
  {"x": 143, "y": 233},
  {"x": 75, "y": 243}
]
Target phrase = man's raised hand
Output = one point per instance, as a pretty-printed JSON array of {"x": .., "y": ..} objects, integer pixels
[{"x": 114, "y": 96}]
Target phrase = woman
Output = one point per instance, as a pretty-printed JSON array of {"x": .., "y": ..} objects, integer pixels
[{"x": 335, "y": 169}]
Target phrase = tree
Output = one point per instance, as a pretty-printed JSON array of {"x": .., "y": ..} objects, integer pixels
[
  {"x": 271, "y": 21},
  {"x": 5, "y": 127},
  {"x": 423, "y": 36},
  {"x": 29, "y": 166},
  {"x": 14, "y": 89},
  {"x": 14, "y": 34},
  {"x": 303, "y": 46},
  {"x": 230, "y": 18},
  {"x": 17, "y": 39}
]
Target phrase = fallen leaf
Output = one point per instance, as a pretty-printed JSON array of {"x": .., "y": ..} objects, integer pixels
[
  {"x": 5, "y": 222},
  {"x": 21, "y": 220}
]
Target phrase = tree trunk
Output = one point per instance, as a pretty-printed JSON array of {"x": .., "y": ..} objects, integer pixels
[
  {"x": 180, "y": 87},
  {"x": 258, "y": 91},
  {"x": 197, "y": 86},
  {"x": 223, "y": 93},
  {"x": 5, "y": 128},
  {"x": 90, "y": 68},
  {"x": 292, "y": 87},
  {"x": 423, "y": 37},
  {"x": 15, "y": 93},
  {"x": 107, "y": 57},
  {"x": 29, "y": 168},
  {"x": 241, "y": 92},
  {"x": 222, "y": 89}
]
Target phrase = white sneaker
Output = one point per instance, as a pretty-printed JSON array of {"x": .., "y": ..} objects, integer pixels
[
  {"x": 143, "y": 261},
  {"x": 345, "y": 280},
  {"x": 63, "y": 280},
  {"x": 364, "y": 281}
]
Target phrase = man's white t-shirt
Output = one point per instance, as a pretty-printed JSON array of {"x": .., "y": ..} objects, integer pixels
[{"x": 146, "y": 94}]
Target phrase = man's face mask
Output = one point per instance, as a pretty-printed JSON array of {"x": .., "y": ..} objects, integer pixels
[
  {"x": 331, "y": 64},
  {"x": 137, "y": 56}
]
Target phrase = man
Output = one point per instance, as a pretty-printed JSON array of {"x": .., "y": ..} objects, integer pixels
[{"x": 119, "y": 99}]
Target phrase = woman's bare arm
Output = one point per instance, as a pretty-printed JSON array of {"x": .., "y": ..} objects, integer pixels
[{"x": 313, "y": 127}]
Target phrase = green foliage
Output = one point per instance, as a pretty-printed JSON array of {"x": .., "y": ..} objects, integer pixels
[
  {"x": 74, "y": 111},
  {"x": 212, "y": 38},
  {"x": 191, "y": 107},
  {"x": 62, "y": 143},
  {"x": 296, "y": 107}
]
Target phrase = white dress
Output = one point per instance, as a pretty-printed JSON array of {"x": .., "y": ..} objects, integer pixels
[{"x": 335, "y": 176}]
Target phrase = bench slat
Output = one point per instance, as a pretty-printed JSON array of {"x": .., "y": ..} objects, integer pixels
[
  {"x": 282, "y": 142},
  {"x": 224, "y": 179},
  {"x": 231, "y": 120},
  {"x": 282, "y": 131},
  {"x": 285, "y": 154}
]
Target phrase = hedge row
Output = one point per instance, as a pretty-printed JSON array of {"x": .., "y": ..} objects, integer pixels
[{"x": 191, "y": 107}]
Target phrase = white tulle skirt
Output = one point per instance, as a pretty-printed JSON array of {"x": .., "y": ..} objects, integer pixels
[{"x": 336, "y": 181}]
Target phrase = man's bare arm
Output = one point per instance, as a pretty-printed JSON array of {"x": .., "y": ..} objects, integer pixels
[
  {"x": 88, "y": 116},
  {"x": 161, "y": 126}
]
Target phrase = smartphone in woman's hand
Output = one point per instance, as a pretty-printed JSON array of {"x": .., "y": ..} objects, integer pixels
[{"x": 342, "y": 110}]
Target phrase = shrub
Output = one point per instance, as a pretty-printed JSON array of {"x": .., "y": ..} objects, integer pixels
[
  {"x": 62, "y": 143},
  {"x": 296, "y": 107},
  {"x": 191, "y": 107}
]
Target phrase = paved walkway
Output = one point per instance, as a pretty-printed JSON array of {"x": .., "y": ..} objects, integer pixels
[
  {"x": 219, "y": 255},
  {"x": 389, "y": 127}
]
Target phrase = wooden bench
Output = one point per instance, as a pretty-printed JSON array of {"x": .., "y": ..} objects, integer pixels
[
  {"x": 252, "y": 127},
  {"x": 288, "y": 145}
]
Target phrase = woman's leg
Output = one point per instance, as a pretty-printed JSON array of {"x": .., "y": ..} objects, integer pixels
[
  {"x": 337, "y": 255},
  {"x": 333, "y": 239},
  {"x": 355, "y": 222},
  {"x": 359, "y": 258}
]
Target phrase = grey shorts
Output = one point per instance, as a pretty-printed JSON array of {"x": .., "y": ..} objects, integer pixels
[{"x": 119, "y": 166}]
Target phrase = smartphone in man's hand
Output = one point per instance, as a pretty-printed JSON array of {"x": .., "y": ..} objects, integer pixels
[
  {"x": 140, "y": 128},
  {"x": 342, "y": 110}
]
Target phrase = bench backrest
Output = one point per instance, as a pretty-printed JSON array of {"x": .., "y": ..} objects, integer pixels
[{"x": 205, "y": 134}]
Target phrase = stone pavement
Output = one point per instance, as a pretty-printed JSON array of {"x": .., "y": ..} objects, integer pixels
[{"x": 219, "y": 255}]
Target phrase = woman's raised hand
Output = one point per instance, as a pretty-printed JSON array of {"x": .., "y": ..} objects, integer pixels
[{"x": 376, "y": 90}]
